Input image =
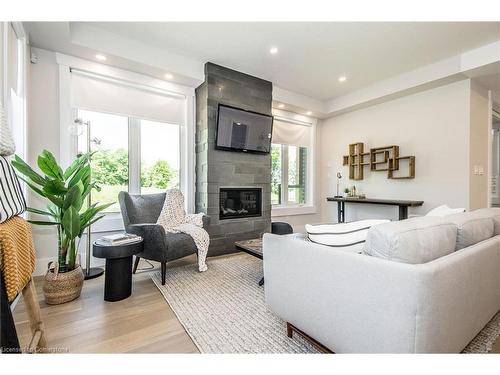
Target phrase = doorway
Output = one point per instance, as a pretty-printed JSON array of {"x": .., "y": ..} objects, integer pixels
[{"x": 495, "y": 160}]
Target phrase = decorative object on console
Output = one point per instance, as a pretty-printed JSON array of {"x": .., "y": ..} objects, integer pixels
[
  {"x": 66, "y": 190},
  {"x": 379, "y": 159},
  {"x": 339, "y": 176}
]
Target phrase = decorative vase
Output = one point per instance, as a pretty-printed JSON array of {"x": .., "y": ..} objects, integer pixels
[{"x": 61, "y": 287}]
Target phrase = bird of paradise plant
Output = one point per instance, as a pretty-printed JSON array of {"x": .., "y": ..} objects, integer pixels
[{"x": 66, "y": 192}]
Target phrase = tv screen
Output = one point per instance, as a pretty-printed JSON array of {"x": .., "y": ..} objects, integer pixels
[{"x": 242, "y": 130}]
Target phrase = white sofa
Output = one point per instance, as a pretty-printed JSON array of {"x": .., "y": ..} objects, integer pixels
[{"x": 356, "y": 303}]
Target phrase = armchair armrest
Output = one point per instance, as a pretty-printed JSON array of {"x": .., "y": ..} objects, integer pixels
[{"x": 154, "y": 239}]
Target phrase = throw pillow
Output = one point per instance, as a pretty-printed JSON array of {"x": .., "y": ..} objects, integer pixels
[
  {"x": 12, "y": 201},
  {"x": 444, "y": 210},
  {"x": 343, "y": 236}
]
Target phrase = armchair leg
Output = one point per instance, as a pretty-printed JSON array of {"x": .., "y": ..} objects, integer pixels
[
  {"x": 163, "y": 272},
  {"x": 136, "y": 263}
]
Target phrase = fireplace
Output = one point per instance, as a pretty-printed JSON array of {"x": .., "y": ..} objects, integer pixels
[{"x": 238, "y": 203}]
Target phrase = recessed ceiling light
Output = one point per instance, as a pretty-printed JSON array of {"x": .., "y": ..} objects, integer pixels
[
  {"x": 100, "y": 57},
  {"x": 342, "y": 78},
  {"x": 281, "y": 105},
  {"x": 168, "y": 76},
  {"x": 309, "y": 113},
  {"x": 273, "y": 50}
]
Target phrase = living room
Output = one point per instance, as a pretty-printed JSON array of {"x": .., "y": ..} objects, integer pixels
[{"x": 250, "y": 187}]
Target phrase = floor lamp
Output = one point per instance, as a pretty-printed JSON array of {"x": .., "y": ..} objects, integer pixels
[{"x": 89, "y": 272}]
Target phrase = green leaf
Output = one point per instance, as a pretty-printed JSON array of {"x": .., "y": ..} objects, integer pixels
[
  {"x": 26, "y": 170},
  {"x": 81, "y": 175},
  {"x": 55, "y": 187},
  {"x": 37, "y": 222},
  {"x": 48, "y": 165},
  {"x": 76, "y": 165},
  {"x": 71, "y": 223},
  {"x": 73, "y": 198},
  {"x": 33, "y": 187},
  {"x": 39, "y": 212},
  {"x": 56, "y": 200}
]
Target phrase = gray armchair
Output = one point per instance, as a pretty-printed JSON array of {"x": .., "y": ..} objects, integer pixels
[{"x": 140, "y": 213}]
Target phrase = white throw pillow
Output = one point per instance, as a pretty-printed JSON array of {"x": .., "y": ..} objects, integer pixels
[
  {"x": 473, "y": 227},
  {"x": 415, "y": 241},
  {"x": 343, "y": 236},
  {"x": 444, "y": 210}
]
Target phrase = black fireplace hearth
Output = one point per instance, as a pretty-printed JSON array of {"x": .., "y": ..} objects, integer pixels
[{"x": 236, "y": 203}]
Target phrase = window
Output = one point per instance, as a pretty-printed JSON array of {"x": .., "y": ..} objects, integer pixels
[
  {"x": 135, "y": 132},
  {"x": 289, "y": 175},
  {"x": 291, "y": 164},
  {"x": 115, "y": 167}
]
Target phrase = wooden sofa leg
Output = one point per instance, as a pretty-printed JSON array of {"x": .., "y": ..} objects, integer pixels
[
  {"x": 136, "y": 263},
  {"x": 163, "y": 272},
  {"x": 289, "y": 331}
]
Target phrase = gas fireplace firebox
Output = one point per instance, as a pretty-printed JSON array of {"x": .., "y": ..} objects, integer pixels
[{"x": 236, "y": 203}]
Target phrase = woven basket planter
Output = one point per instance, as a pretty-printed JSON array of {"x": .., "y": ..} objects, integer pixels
[{"x": 62, "y": 287}]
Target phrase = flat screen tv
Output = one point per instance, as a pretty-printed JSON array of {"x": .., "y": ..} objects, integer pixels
[{"x": 241, "y": 130}]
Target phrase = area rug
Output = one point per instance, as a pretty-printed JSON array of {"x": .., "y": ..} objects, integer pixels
[{"x": 223, "y": 310}]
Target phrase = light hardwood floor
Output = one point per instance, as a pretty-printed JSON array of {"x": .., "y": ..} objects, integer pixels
[{"x": 142, "y": 323}]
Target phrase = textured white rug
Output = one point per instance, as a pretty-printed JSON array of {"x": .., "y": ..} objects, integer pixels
[{"x": 223, "y": 310}]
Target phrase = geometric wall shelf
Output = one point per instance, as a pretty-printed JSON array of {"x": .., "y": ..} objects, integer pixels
[{"x": 379, "y": 159}]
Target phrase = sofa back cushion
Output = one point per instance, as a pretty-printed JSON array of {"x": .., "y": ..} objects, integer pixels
[
  {"x": 343, "y": 236},
  {"x": 494, "y": 213},
  {"x": 472, "y": 227},
  {"x": 416, "y": 240}
]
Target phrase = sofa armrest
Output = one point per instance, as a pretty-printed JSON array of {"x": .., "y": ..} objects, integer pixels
[{"x": 340, "y": 298}]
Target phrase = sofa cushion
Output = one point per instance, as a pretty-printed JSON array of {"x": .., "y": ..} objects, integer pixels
[
  {"x": 343, "y": 236},
  {"x": 444, "y": 210},
  {"x": 417, "y": 240},
  {"x": 494, "y": 213},
  {"x": 473, "y": 227}
]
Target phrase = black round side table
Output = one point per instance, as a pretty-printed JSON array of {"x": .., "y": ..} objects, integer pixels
[{"x": 118, "y": 275}]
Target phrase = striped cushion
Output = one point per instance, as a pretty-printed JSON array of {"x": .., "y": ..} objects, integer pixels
[
  {"x": 12, "y": 201},
  {"x": 344, "y": 236}
]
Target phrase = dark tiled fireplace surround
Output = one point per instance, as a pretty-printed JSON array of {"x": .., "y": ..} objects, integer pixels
[{"x": 240, "y": 202}]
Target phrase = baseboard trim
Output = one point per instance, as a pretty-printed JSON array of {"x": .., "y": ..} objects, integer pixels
[{"x": 41, "y": 264}]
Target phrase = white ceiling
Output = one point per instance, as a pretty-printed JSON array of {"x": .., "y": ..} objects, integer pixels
[{"x": 311, "y": 56}]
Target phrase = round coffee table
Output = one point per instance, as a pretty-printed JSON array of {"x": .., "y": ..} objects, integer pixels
[{"x": 118, "y": 275}]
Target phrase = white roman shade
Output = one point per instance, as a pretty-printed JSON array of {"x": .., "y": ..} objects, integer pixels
[
  {"x": 289, "y": 133},
  {"x": 96, "y": 93}
]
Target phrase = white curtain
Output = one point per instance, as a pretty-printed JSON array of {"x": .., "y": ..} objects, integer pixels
[
  {"x": 289, "y": 133},
  {"x": 104, "y": 95}
]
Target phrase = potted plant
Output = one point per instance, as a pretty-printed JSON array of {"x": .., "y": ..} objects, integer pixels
[
  {"x": 66, "y": 192},
  {"x": 347, "y": 192}
]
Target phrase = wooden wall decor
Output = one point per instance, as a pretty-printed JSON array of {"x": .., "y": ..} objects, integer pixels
[{"x": 379, "y": 159}]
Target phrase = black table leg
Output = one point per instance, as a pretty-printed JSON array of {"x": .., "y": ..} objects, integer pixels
[
  {"x": 340, "y": 212},
  {"x": 118, "y": 279},
  {"x": 261, "y": 282},
  {"x": 403, "y": 212}
]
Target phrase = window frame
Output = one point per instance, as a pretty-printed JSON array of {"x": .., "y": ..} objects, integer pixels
[
  {"x": 113, "y": 221},
  {"x": 309, "y": 207}
]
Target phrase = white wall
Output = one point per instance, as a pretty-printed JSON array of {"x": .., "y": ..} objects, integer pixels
[{"x": 432, "y": 125}]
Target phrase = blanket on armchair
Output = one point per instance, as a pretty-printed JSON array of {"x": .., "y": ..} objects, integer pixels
[{"x": 174, "y": 219}]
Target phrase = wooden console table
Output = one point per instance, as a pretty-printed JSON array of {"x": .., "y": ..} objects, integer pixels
[{"x": 402, "y": 204}]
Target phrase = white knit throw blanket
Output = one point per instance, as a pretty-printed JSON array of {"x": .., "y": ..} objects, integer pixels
[{"x": 174, "y": 219}]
